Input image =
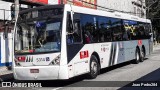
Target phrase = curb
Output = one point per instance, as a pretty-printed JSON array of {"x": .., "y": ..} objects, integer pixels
[
  {"x": 5, "y": 74},
  {"x": 5, "y": 70},
  {"x": 155, "y": 47},
  {"x": 6, "y": 77}
]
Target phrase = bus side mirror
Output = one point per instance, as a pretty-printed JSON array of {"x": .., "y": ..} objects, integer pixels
[{"x": 150, "y": 34}]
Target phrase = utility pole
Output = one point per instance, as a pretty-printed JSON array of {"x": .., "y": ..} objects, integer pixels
[
  {"x": 16, "y": 2},
  {"x": 141, "y": 9}
]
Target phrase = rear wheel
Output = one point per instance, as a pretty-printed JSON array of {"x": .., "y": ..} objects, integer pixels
[
  {"x": 94, "y": 67},
  {"x": 142, "y": 55},
  {"x": 137, "y": 56}
]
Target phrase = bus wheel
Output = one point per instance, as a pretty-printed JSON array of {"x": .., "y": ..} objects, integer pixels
[
  {"x": 142, "y": 55},
  {"x": 137, "y": 56},
  {"x": 94, "y": 67}
]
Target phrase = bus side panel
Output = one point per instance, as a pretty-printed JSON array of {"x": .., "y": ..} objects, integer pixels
[
  {"x": 120, "y": 51},
  {"x": 104, "y": 52},
  {"x": 130, "y": 48},
  {"x": 147, "y": 46},
  {"x": 78, "y": 56},
  {"x": 125, "y": 51}
]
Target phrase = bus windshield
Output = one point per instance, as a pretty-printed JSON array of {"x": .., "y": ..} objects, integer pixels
[{"x": 38, "y": 33}]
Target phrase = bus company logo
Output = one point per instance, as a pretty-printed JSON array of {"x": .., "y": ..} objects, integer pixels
[
  {"x": 29, "y": 59},
  {"x": 47, "y": 59},
  {"x": 84, "y": 54},
  {"x": 103, "y": 49}
]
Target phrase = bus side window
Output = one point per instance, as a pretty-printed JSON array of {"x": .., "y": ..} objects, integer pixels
[
  {"x": 73, "y": 29},
  {"x": 69, "y": 29},
  {"x": 116, "y": 29},
  {"x": 147, "y": 30},
  {"x": 77, "y": 30}
]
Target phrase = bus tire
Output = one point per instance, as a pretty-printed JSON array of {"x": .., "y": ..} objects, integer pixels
[
  {"x": 94, "y": 67},
  {"x": 137, "y": 56},
  {"x": 142, "y": 55}
]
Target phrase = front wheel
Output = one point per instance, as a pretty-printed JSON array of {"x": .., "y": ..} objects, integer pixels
[{"x": 94, "y": 67}]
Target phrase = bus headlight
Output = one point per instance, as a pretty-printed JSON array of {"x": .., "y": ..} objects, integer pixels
[{"x": 56, "y": 61}]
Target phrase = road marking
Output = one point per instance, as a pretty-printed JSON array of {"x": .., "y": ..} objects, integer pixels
[{"x": 57, "y": 88}]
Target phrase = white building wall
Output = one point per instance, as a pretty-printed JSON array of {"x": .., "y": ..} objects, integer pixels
[
  {"x": 5, "y": 6},
  {"x": 122, "y": 5},
  {"x": 53, "y": 1},
  {"x": 5, "y": 49}
]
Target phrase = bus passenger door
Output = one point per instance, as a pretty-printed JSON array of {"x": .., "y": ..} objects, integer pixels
[{"x": 76, "y": 65}]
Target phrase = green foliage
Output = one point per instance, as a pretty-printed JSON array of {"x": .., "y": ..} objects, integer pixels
[{"x": 153, "y": 8}]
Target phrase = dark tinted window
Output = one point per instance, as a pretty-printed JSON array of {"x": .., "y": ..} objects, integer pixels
[
  {"x": 131, "y": 31},
  {"x": 136, "y": 30},
  {"x": 147, "y": 30},
  {"x": 104, "y": 29},
  {"x": 115, "y": 27},
  {"x": 74, "y": 33},
  {"x": 89, "y": 26},
  {"x": 97, "y": 29},
  {"x": 101, "y": 29},
  {"x": 77, "y": 28}
]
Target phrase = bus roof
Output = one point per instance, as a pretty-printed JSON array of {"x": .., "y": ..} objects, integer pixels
[
  {"x": 42, "y": 7},
  {"x": 84, "y": 10},
  {"x": 113, "y": 14}
]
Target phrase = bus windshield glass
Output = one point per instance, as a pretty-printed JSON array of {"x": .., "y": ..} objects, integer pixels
[{"x": 39, "y": 31}]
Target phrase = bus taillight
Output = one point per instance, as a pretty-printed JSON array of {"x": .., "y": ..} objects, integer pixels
[{"x": 21, "y": 59}]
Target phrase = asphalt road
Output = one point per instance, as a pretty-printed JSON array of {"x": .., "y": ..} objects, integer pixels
[{"x": 120, "y": 77}]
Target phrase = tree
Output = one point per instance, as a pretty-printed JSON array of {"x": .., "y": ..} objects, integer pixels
[
  {"x": 153, "y": 8},
  {"x": 153, "y": 13}
]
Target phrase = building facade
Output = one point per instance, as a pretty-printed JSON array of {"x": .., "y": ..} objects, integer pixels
[{"x": 134, "y": 7}]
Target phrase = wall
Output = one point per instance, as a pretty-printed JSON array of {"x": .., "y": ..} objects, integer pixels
[
  {"x": 5, "y": 49},
  {"x": 86, "y": 3},
  {"x": 6, "y": 6},
  {"x": 124, "y": 5},
  {"x": 54, "y": 1}
]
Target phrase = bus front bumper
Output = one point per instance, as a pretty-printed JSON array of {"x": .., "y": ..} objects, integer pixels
[{"x": 44, "y": 73}]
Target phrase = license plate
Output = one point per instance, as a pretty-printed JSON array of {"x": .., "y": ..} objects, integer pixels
[{"x": 34, "y": 70}]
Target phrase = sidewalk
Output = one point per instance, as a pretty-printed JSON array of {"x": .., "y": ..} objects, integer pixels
[
  {"x": 5, "y": 73},
  {"x": 155, "y": 47}
]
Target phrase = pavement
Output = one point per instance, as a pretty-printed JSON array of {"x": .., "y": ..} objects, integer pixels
[{"x": 5, "y": 73}]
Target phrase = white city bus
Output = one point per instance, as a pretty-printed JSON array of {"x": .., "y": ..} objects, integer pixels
[{"x": 64, "y": 41}]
